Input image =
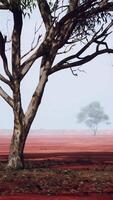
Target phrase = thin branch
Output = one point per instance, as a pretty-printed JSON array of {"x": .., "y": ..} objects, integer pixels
[
  {"x": 6, "y": 97},
  {"x": 25, "y": 67},
  {"x": 32, "y": 47},
  {"x": 75, "y": 71},
  {"x": 32, "y": 44},
  {"x": 67, "y": 49},
  {"x": 67, "y": 59}
]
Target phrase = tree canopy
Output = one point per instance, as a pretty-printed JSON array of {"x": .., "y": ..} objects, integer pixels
[{"x": 92, "y": 115}]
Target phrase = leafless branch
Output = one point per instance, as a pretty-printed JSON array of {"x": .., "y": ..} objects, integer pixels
[
  {"x": 6, "y": 69},
  {"x": 3, "y": 79},
  {"x": 67, "y": 49},
  {"x": 35, "y": 32},
  {"x": 6, "y": 97},
  {"x": 25, "y": 67},
  {"x": 75, "y": 71},
  {"x": 86, "y": 59},
  {"x": 32, "y": 47}
]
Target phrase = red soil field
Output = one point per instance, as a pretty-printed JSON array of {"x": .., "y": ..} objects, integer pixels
[
  {"x": 62, "y": 141},
  {"x": 58, "y": 197},
  {"x": 63, "y": 145}
]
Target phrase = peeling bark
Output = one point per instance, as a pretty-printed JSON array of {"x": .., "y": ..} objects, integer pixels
[{"x": 16, "y": 160}]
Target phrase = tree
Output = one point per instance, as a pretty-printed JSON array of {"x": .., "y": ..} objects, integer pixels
[
  {"x": 66, "y": 23},
  {"x": 92, "y": 115}
]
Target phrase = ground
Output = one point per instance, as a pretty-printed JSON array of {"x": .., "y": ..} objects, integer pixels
[{"x": 60, "y": 166}]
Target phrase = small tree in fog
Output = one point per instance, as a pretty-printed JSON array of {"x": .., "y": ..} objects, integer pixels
[{"x": 92, "y": 115}]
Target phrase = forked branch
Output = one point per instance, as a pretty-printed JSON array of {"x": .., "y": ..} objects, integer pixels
[
  {"x": 98, "y": 38},
  {"x": 25, "y": 67},
  {"x": 82, "y": 61}
]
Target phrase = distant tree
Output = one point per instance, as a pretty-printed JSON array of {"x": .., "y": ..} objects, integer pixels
[{"x": 92, "y": 115}]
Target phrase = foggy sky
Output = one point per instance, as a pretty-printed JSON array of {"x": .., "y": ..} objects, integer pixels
[{"x": 64, "y": 94}]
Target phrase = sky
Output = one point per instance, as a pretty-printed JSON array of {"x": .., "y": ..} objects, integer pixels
[{"x": 64, "y": 94}]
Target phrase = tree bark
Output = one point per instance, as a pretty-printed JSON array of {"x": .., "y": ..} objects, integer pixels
[
  {"x": 22, "y": 124},
  {"x": 15, "y": 159}
]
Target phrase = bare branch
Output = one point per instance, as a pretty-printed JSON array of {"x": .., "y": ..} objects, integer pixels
[
  {"x": 32, "y": 47},
  {"x": 75, "y": 71},
  {"x": 5, "y": 64},
  {"x": 3, "y": 79},
  {"x": 84, "y": 60},
  {"x": 67, "y": 59},
  {"x": 67, "y": 49},
  {"x": 3, "y": 56},
  {"x": 25, "y": 67},
  {"x": 6, "y": 97}
]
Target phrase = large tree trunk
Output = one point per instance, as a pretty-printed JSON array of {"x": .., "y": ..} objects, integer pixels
[
  {"x": 16, "y": 158},
  {"x": 22, "y": 123}
]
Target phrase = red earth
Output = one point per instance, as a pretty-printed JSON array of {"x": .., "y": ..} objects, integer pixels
[
  {"x": 59, "y": 197},
  {"x": 62, "y": 141},
  {"x": 65, "y": 145}
]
